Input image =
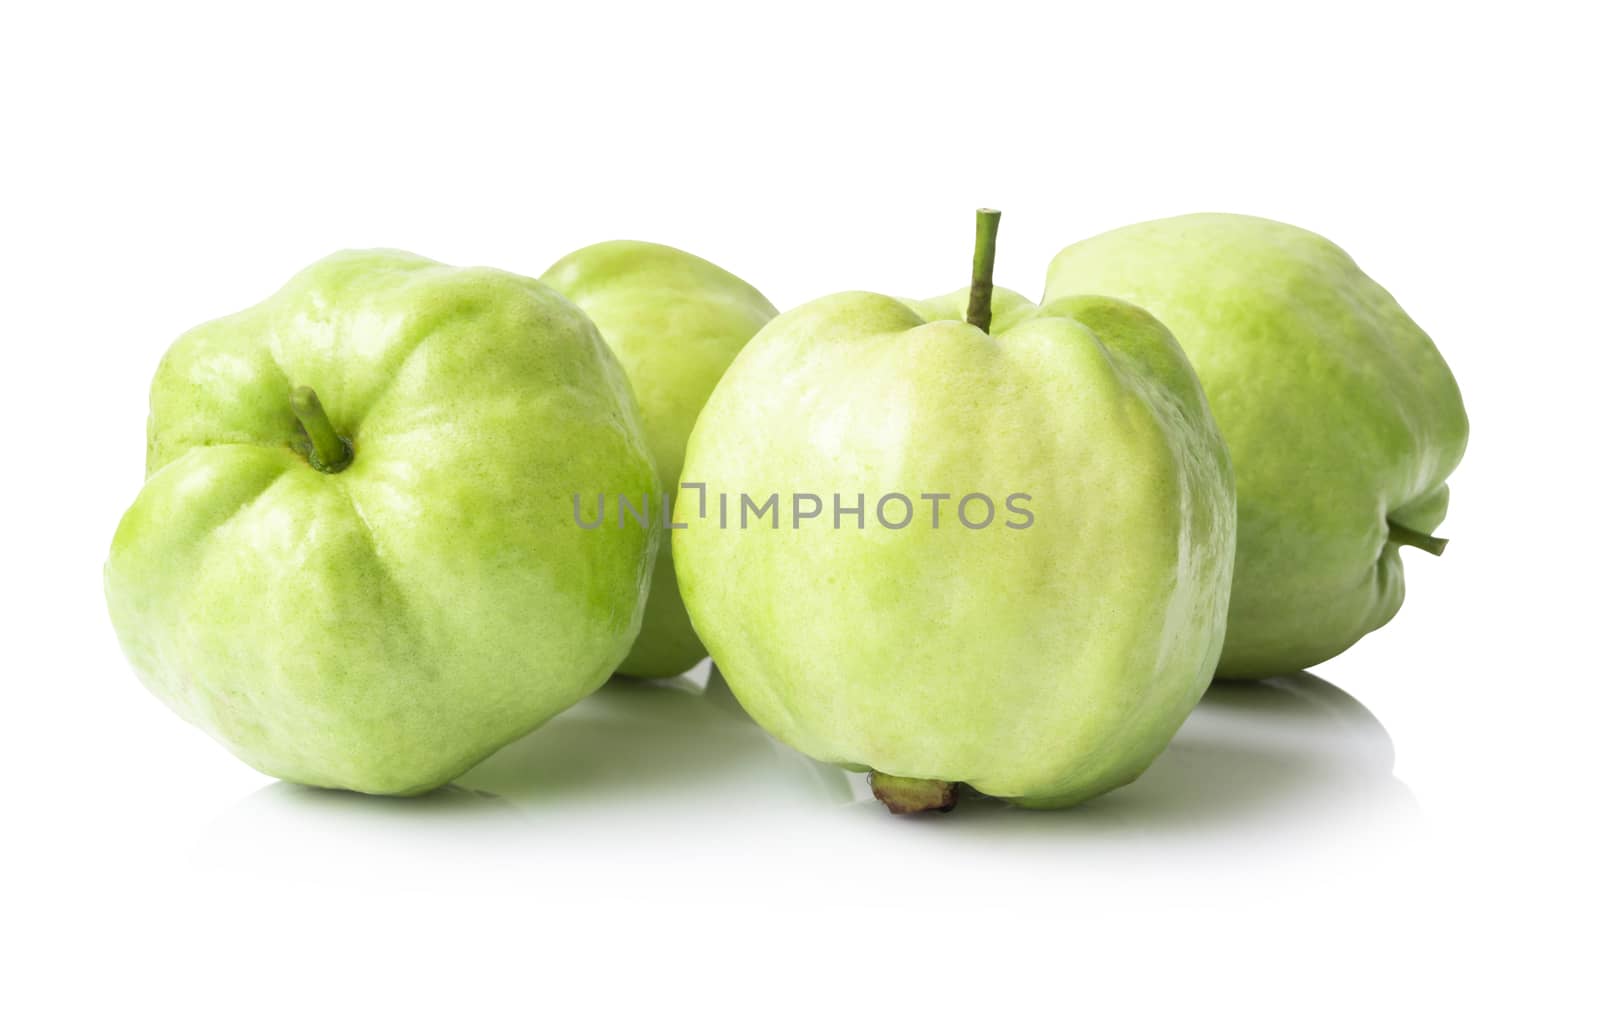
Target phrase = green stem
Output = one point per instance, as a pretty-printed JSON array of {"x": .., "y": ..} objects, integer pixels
[
  {"x": 328, "y": 451},
  {"x": 1402, "y": 535},
  {"x": 982, "y": 292},
  {"x": 905, "y": 795}
]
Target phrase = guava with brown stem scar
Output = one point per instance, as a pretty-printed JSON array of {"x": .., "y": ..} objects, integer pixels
[{"x": 1043, "y": 661}]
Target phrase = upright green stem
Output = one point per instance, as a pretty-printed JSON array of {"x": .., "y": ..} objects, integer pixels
[
  {"x": 328, "y": 451},
  {"x": 981, "y": 295},
  {"x": 1402, "y": 535}
]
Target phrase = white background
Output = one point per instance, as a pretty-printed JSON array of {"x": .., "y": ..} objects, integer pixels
[{"x": 1424, "y": 832}]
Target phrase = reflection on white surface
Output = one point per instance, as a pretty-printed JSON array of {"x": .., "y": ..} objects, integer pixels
[
  {"x": 674, "y": 774},
  {"x": 676, "y": 744},
  {"x": 1292, "y": 761}
]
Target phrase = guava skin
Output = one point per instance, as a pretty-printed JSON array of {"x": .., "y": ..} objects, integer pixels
[
  {"x": 675, "y": 321},
  {"x": 384, "y": 627},
  {"x": 1341, "y": 415},
  {"x": 1044, "y": 664}
]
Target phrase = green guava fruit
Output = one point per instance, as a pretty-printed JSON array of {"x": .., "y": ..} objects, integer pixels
[
  {"x": 993, "y": 550},
  {"x": 1342, "y": 418},
  {"x": 676, "y": 322},
  {"x": 354, "y": 559}
]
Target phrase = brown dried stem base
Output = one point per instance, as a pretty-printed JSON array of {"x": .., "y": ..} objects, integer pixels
[{"x": 905, "y": 795}]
